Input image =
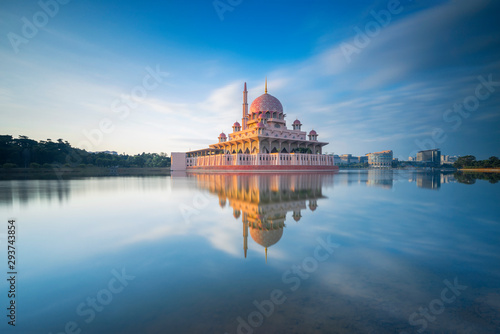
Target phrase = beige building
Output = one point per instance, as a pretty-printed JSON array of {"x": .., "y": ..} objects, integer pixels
[{"x": 380, "y": 159}]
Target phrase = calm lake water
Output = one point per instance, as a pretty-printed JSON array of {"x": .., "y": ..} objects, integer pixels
[{"x": 354, "y": 252}]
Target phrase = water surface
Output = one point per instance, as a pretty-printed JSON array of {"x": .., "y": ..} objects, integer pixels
[{"x": 355, "y": 252}]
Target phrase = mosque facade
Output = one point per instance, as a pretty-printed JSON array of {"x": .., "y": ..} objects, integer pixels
[{"x": 261, "y": 141}]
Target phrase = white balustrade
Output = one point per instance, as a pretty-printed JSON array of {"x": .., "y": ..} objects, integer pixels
[{"x": 242, "y": 159}]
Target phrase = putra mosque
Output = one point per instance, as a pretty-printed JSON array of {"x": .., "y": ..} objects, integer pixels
[
  {"x": 261, "y": 142},
  {"x": 262, "y": 201}
]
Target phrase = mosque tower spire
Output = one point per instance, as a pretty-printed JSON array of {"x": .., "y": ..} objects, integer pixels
[
  {"x": 244, "y": 120},
  {"x": 265, "y": 91},
  {"x": 245, "y": 234}
]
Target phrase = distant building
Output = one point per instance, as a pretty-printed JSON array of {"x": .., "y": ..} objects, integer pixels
[
  {"x": 106, "y": 152},
  {"x": 347, "y": 159},
  {"x": 448, "y": 160},
  {"x": 380, "y": 159},
  {"x": 430, "y": 158},
  {"x": 363, "y": 159}
]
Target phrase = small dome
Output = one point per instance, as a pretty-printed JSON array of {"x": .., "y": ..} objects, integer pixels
[
  {"x": 313, "y": 132},
  {"x": 236, "y": 124},
  {"x": 266, "y": 102},
  {"x": 296, "y": 122},
  {"x": 260, "y": 125},
  {"x": 222, "y": 135}
]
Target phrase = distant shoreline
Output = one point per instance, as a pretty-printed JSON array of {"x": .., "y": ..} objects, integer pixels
[{"x": 75, "y": 172}]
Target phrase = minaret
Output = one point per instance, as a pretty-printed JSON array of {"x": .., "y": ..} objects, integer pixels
[
  {"x": 245, "y": 233},
  {"x": 244, "y": 120}
]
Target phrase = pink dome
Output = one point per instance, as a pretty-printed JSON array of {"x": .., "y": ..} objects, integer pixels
[
  {"x": 236, "y": 124},
  {"x": 266, "y": 238},
  {"x": 313, "y": 132},
  {"x": 261, "y": 125},
  {"x": 222, "y": 135},
  {"x": 266, "y": 102},
  {"x": 296, "y": 122}
]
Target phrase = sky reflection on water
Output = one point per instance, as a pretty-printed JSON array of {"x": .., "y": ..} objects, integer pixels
[{"x": 400, "y": 235}]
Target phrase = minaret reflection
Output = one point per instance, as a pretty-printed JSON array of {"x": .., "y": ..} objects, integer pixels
[{"x": 263, "y": 200}]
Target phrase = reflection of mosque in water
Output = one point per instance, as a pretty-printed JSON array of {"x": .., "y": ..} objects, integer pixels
[{"x": 262, "y": 201}]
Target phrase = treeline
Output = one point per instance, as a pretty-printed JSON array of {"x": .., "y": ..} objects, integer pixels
[
  {"x": 25, "y": 152},
  {"x": 469, "y": 161}
]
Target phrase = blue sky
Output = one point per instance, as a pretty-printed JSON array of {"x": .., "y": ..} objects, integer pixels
[{"x": 365, "y": 82}]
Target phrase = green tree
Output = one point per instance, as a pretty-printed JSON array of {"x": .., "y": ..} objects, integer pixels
[{"x": 466, "y": 161}]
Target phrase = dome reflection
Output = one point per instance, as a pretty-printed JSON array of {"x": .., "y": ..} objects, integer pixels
[{"x": 262, "y": 201}]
